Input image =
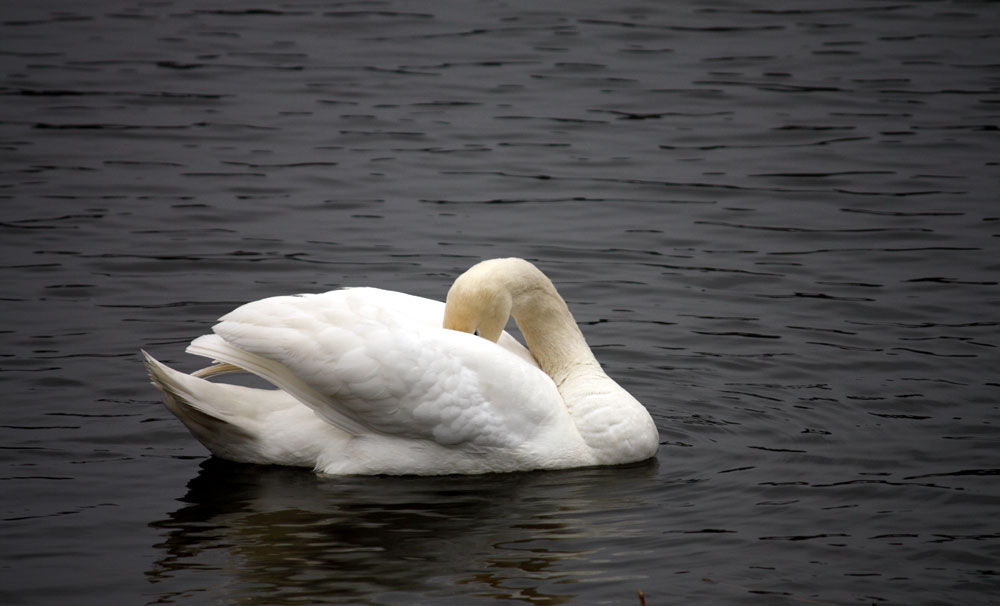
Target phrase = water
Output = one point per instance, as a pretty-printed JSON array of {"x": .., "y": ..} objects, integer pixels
[{"x": 776, "y": 224}]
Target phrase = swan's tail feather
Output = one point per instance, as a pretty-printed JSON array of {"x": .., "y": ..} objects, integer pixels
[
  {"x": 244, "y": 424},
  {"x": 207, "y": 423},
  {"x": 219, "y": 368}
]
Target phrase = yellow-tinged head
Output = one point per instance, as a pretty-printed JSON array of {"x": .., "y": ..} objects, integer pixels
[
  {"x": 479, "y": 303},
  {"x": 484, "y": 297}
]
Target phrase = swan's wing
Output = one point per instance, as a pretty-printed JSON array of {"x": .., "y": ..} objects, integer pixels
[{"x": 368, "y": 360}]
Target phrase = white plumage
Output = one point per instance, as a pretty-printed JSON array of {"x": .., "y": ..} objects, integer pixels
[{"x": 370, "y": 381}]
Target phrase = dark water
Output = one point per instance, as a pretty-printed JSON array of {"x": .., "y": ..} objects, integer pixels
[{"x": 777, "y": 224}]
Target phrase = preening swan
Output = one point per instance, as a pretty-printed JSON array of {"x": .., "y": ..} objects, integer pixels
[{"x": 373, "y": 381}]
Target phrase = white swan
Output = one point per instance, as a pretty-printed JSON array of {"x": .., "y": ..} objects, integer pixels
[{"x": 379, "y": 382}]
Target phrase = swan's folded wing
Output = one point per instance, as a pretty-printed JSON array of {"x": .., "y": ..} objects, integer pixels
[{"x": 376, "y": 361}]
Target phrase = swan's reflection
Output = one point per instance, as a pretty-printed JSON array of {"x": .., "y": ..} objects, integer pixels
[{"x": 269, "y": 535}]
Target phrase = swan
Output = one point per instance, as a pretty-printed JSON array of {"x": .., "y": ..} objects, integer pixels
[{"x": 372, "y": 381}]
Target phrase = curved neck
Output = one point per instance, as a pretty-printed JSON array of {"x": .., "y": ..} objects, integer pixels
[
  {"x": 483, "y": 298},
  {"x": 550, "y": 331}
]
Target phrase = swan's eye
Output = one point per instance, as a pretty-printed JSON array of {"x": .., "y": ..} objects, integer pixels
[{"x": 476, "y": 332}]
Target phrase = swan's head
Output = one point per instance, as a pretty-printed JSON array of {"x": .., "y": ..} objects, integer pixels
[{"x": 479, "y": 301}]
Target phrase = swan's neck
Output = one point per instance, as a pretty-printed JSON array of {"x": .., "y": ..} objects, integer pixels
[
  {"x": 608, "y": 419},
  {"x": 483, "y": 298},
  {"x": 551, "y": 332}
]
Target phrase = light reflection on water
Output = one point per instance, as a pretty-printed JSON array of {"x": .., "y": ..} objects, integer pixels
[{"x": 288, "y": 536}]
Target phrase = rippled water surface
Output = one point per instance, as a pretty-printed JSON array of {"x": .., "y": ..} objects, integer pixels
[{"x": 777, "y": 225}]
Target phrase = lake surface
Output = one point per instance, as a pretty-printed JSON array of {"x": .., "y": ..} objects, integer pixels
[{"x": 777, "y": 225}]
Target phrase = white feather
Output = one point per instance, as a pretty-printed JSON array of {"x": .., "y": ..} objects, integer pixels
[{"x": 368, "y": 381}]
